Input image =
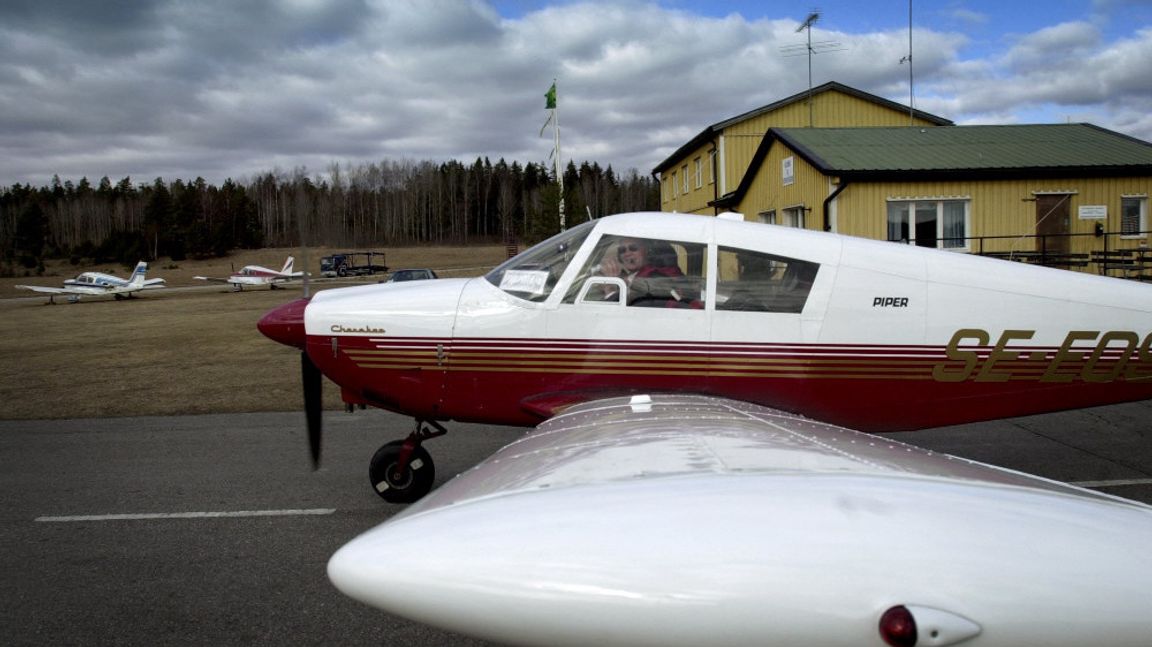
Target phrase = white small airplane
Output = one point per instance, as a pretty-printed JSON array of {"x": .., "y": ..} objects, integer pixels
[
  {"x": 253, "y": 275},
  {"x": 101, "y": 279},
  {"x": 100, "y": 284},
  {"x": 692, "y": 478}
]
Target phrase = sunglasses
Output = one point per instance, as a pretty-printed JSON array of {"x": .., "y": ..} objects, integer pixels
[{"x": 631, "y": 247}]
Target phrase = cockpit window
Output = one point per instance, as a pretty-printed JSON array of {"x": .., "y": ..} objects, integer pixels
[
  {"x": 757, "y": 282},
  {"x": 643, "y": 272},
  {"x": 532, "y": 274}
]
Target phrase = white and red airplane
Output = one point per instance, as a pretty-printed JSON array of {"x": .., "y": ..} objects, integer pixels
[
  {"x": 100, "y": 284},
  {"x": 253, "y": 275},
  {"x": 693, "y": 478}
]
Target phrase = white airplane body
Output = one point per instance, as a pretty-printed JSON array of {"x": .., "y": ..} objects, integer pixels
[
  {"x": 689, "y": 482},
  {"x": 101, "y": 279},
  {"x": 255, "y": 275},
  {"x": 88, "y": 284}
]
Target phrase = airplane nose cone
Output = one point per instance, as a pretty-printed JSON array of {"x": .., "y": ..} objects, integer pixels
[{"x": 285, "y": 324}]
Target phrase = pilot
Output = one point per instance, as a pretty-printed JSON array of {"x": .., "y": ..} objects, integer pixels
[{"x": 635, "y": 258}]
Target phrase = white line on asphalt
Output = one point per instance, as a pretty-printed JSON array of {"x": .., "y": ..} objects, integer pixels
[
  {"x": 189, "y": 515},
  {"x": 1115, "y": 483}
]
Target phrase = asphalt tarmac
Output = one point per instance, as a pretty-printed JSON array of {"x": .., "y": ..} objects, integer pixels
[{"x": 214, "y": 530}]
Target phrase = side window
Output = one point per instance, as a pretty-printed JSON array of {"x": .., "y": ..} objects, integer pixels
[
  {"x": 757, "y": 282},
  {"x": 644, "y": 272}
]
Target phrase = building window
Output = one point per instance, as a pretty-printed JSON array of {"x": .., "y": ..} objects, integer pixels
[
  {"x": 684, "y": 174},
  {"x": 792, "y": 217},
  {"x": 672, "y": 196},
  {"x": 1133, "y": 216},
  {"x": 699, "y": 174},
  {"x": 711, "y": 167},
  {"x": 767, "y": 217},
  {"x": 929, "y": 223}
]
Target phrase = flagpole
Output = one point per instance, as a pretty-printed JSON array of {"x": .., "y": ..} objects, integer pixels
[{"x": 559, "y": 173}]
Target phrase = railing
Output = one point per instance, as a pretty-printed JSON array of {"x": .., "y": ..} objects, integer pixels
[{"x": 1116, "y": 254}]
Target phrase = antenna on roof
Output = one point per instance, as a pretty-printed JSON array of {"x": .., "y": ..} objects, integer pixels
[
  {"x": 811, "y": 48},
  {"x": 908, "y": 58}
]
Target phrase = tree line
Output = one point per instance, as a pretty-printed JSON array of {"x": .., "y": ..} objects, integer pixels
[{"x": 391, "y": 203}]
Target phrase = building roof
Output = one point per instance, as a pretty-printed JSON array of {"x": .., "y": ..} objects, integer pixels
[
  {"x": 958, "y": 153},
  {"x": 1031, "y": 147},
  {"x": 717, "y": 128}
]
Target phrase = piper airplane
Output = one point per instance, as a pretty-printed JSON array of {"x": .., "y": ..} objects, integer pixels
[
  {"x": 101, "y": 279},
  {"x": 100, "y": 284},
  {"x": 693, "y": 479},
  {"x": 253, "y": 275}
]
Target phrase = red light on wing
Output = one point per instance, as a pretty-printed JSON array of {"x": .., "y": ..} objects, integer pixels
[{"x": 898, "y": 627}]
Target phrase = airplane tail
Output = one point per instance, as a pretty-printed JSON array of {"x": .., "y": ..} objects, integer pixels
[
  {"x": 138, "y": 275},
  {"x": 288, "y": 265}
]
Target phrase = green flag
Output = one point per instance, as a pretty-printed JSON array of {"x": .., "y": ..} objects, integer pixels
[{"x": 550, "y": 98}]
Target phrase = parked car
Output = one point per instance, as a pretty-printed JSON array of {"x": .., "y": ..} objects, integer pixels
[{"x": 410, "y": 275}]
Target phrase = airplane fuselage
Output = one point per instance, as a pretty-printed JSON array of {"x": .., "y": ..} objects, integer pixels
[{"x": 885, "y": 336}]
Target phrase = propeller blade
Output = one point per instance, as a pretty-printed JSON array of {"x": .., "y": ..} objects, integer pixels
[{"x": 313, "y": 405}]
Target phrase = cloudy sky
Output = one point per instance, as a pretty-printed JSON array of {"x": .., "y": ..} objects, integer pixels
[{"x": 223, "y": 88}]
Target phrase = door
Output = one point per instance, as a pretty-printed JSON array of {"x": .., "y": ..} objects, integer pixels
[{"x": 1053, "y": 223}]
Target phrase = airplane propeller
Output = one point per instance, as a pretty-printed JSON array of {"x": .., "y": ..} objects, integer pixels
[
  {"x": 310, "y": 378},
  {"x": 285, "y": 324}
]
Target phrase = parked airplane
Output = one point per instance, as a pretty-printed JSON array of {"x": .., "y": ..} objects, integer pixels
[
  {"x": 689, "y": 481},
  {"x": 101, "y": 279},
  {"x": 257, "y": 275},
  {"x": 99, "y": 284}
]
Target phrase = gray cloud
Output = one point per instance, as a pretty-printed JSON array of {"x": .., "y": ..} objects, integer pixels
[{"x": 222, "y": 89}]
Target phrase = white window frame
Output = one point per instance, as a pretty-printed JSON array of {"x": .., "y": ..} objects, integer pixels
[
  {"x": 1142, "y": 201},
  {"x": 912, "y": 203},
  {"x": 699, "y": 172},
  {"x": 684, "y": 171},
  {"x": 793, "y": 216}
]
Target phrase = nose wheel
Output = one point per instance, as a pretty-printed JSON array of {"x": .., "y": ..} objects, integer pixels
[{"x": 402, "y": 471}]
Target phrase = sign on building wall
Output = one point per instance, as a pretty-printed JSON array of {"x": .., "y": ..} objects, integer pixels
[
  {"x": 1094, "y": 212},
  {"x": 788, "y": 170}
]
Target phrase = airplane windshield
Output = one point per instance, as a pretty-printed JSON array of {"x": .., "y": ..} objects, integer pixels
[{"x": 534, "y": 272}]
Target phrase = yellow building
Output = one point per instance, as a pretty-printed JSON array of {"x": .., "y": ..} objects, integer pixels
[
  {"x": 713, "y": 163},
  {"x": 1072, "y": 195}
]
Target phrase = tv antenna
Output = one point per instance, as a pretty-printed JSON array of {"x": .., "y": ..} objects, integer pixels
[
  {"x": 908, "y": 59},
  {"x": 809, "y": 49}
]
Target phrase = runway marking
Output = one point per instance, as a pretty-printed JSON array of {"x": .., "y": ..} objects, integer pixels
[
  {"x": 1115, "y": 483},
  {"x": 189, "y": 515}
]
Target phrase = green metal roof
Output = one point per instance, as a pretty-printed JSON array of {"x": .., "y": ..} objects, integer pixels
[{"x": 966, "y": 148}]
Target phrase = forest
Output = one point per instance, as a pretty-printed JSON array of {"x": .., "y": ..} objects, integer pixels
[{"x": 391, "y": 203}]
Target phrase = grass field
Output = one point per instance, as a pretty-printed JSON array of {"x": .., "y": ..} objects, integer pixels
[{"x": 176, "y": 351}]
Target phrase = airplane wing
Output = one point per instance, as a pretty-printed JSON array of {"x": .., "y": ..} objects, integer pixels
[
  {"x": 210, "y": 278},
  {"x": 688, "y": 520},
  {"x": 68, "y": 290}
]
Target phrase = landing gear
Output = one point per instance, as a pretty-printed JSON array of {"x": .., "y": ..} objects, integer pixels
[{"x": 402, "y": 471}]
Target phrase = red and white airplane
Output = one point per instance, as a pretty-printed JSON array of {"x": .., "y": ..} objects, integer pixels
[
  {"x": 253, "y": 275},
  {"x": 693, "y": 478},
  {"x": 100, "y": 284}
]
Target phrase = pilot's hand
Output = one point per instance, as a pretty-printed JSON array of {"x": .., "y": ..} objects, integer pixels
[{"x": 610, "y": 266}]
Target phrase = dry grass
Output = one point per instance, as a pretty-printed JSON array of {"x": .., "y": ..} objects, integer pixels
[{"x": 170, "y": 351}]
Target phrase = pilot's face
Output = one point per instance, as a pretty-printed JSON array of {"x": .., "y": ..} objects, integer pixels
[{"x": 633, "y": 254}]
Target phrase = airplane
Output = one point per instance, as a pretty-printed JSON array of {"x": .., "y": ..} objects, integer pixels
[
  {"x": 258, "y": 275},
  {"x": 99, "y": 284},
  {"x": 702, "y": 468},
  {"x": 88, "y": 279}
]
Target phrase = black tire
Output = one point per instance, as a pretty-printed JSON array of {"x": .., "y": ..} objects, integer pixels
[
  {"x": 342, "y": 272},
  {"x": 412, "y": 484}
]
